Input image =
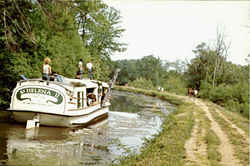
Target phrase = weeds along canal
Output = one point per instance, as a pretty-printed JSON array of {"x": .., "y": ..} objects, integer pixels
[{"x": 132, "y": 118}]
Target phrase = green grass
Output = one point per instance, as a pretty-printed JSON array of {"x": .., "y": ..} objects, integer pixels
[
  {"x": 213, "y": 143},
  {"x": 163, "y": 96},
  {"x": 167, "y": 147}
]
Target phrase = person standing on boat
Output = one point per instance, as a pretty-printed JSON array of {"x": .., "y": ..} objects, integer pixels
[
  {"x": 80, "y": 68},
  {"x": 89, "y": 68},
  {"x": 46, "y": 70}
]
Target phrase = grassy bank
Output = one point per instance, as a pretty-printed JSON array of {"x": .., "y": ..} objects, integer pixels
[
  {"x": 166, "y": 148},
  {"x": 163, "y": 96},
  {"x": 188, "y": 137}
]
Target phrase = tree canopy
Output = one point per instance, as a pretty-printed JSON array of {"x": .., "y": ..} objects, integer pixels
[{"x": 64, "y": 31}]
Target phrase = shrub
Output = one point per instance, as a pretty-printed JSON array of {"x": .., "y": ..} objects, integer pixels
[
  {"x": 142, "y": 83},
  {"x": 205, "y": 90},
  {"x": 220, "y": 94},
  {"x": 233, "y": 97},
  {"x": 175, "y": 84}
]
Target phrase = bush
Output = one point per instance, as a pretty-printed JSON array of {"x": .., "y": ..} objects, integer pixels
[
  {"x": 233, "y": 97},
  {"x": 205, "y": 89},
  {"x": 241, "y": 93},
  {"x": 176, "y": 85},
  {"x": 221, "y": 94},
  {"x": 142, "y": 83}
]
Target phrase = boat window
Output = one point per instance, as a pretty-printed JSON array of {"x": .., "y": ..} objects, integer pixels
[
  {"x": 82, "y": 100},
  {"x": 91, "y": 97},
  {"x": 90, "y": 90},
  {"x": 79, "y": 104}
]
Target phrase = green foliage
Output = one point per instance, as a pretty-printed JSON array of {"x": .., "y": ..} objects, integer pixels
[
  {"x": 33, "y": 30},
  {"x": 226, "y": 86},
  {"x": 201, "y": 67},
  {"x": 151, "y": 68},
  {"x": 129, "y": 71},
  {"x": 142, "y": 83},
  {"x": 230, "y": 87},
  {"x": 233, "y": 97},
  {"x": 69, "y": 49},
  {"x": 205, "y": 89},
  {"x": 175, "y": 84},
  {"x": 99, "y": 27}
]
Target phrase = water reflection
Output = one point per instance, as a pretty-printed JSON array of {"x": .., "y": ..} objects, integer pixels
[
  {"x": 136, "y": 103},
  {"x": 131, "y": 118}
]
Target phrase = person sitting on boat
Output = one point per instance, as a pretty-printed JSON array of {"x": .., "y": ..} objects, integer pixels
[
  {"x": 80, "y": 68},
  {"x": 91, "y": 98},
  {"x": 89, "y": 69},
  {"x": 46, "y": 70}
]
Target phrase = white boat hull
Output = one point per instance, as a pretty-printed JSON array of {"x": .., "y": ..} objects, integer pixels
[
  {"x": 61, "y": 120},
  {"x": 65, "y": 103}
]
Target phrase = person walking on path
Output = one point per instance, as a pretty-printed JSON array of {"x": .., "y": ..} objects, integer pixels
[
  {"x": 89, "y": 68},
  {"x": 46, "y": 70},
  {"x": 195, "y": 92},
  {"x": 80, "y": 68}
]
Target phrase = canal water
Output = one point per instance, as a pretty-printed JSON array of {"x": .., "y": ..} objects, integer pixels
[{"x": 132, "y": 118}]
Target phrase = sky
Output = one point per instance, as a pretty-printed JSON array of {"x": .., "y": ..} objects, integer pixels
[{"x": 170, "y": 30}]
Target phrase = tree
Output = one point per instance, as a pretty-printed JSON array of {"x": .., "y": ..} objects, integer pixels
[
  {"x": 200, "y": 67},
  {"x": 221, "y": 54},
  {"x": 99, "y": 27},
  {"x": 33, "y": 30}
]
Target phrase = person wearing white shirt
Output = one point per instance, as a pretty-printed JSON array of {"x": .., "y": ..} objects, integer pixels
[{"x": 89, "y": 68}]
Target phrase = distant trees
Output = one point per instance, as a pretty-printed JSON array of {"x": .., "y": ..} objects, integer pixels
[
  {"x": 220, "y": 81},
  {"x": 150, "y": 72},
  {"x": 216, "y": 79},
  {"x": 148, "y": 67}
]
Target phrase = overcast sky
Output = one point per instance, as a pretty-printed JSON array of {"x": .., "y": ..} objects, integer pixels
[{"x": 172, "y": 29}]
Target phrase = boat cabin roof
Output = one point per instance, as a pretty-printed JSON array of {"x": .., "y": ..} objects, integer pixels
[{"x": 70, "y": 83}]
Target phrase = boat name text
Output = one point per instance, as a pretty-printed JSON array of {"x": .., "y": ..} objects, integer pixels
[{"x": 39, "y": 91}]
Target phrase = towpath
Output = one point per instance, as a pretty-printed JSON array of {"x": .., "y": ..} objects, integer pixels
[{"x": 197, "y": 151}]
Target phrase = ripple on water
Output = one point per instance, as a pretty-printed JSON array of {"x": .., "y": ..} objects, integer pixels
[{"x": 132, "y": 117}]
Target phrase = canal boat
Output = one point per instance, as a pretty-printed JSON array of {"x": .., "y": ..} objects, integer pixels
[{"x": 62, "y": 101}]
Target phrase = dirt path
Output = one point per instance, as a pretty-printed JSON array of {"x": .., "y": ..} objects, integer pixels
[
  {"x": 196, "y": 147},
  {"x": 225, "y": 148}
]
